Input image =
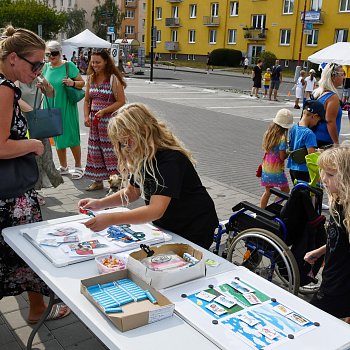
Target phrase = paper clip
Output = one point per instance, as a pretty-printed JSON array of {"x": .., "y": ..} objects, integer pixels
[{"x": 147, "y": 250}]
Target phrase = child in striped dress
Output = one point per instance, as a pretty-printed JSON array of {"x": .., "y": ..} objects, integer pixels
[{"x": 275, "y": 146}]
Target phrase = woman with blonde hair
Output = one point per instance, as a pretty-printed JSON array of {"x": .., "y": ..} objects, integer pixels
[
  {"x": 162, "y": 173},
  {"x": 327, "y": 131},
  {"x": 21, "y": 59}
]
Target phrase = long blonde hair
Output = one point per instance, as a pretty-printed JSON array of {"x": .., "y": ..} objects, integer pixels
[
  {"x": 337, "y": 159},
  {"x": 273, "y": 136},
  {"x": 148, "y": 134},
  {"x": 326, "y": 82}
]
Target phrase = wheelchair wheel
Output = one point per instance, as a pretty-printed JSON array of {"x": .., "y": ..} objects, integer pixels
[{"x": 265, "y": 254}]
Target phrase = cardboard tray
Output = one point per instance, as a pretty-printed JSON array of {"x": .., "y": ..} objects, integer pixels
[
  {"x": 135, "y": 314},
  {"x": 167, "y": 278}
]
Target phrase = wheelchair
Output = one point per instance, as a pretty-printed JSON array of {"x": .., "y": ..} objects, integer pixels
[{"x": 272, "y": 242}]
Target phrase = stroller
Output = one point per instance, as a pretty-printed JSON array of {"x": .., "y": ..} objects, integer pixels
[{"x": 272, "y": 242}]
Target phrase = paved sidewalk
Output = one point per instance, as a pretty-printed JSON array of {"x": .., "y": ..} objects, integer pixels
[{"x": 69, "y": 333}]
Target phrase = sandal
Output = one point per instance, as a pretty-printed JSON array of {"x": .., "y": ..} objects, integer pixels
[
  {"x": 63, "y": 170},
  {"x": 78, "y": 173},
  {"x": 95, "y": 186},
  {"x": 57, "y": 312}
]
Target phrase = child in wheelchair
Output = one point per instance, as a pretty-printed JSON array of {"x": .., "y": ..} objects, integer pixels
[{"x": 334, "y": 291}]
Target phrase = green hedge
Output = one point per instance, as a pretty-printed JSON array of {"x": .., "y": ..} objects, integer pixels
[{"x": 226, "y": 57}]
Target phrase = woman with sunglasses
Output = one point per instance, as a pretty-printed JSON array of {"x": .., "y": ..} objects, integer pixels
[
  {"x": 55, "y": 72},
  {"x": 21, "y": 58},
  {"x": 104, "y": 95},
  {"x": 327, "y": 131},
  {"x": 162, "y": 173}
]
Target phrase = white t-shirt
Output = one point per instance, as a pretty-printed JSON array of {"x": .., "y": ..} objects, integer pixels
[
  {"x": 246, "y": 61},
  {"x": 310, "y": 83}
]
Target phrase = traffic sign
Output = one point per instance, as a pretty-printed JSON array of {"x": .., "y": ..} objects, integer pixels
[
  {"x": 110, "y": 30},
  {"x": 125, "y": 41}
]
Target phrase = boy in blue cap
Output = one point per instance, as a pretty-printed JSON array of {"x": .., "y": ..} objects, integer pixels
[{"x": 302, "y": 140}]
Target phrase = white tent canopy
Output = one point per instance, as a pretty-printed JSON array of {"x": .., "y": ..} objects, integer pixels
[
  {"x": 87, "y": 39},
  {"x": 337, "y": 53}
]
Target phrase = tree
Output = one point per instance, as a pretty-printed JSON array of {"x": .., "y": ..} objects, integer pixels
[
  {"x": 106, "y": 13},
  {"x": 76, "y": 22},
  {"x": 268, "y": 58},
  {"x": 29, "y": 14}
]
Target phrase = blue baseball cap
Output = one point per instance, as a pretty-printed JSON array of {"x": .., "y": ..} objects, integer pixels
[{"x": 315, "y": 107}]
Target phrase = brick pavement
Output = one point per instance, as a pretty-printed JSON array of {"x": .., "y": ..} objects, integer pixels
[{"x": 218, "y": 176}]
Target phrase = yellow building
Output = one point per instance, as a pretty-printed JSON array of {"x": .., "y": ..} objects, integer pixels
[{"x": 189, "y": 29}]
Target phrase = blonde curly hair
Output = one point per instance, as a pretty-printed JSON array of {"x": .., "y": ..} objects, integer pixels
[
  {"x": 135, "y": 121},
  {"x": 337, "y": 159}
]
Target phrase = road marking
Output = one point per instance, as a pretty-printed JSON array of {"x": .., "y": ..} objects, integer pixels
[
  {"x": 204, "y": 98},
  {"x": 170, "y": 91},
  {"x": 240, "y": 107}
]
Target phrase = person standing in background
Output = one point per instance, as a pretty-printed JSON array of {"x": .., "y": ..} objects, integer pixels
[
  {"x": 267, "y": 81},
  {"x": 104, "y": 95},
  {"x": 310, "y": 86},
  {"x": 299, "y": 90},
  {"x": 257, "y": 76},
  {"x": 346, "y": 84},
  {"x": 55, "y": 73},
  {"x": 276, "y": 80}
]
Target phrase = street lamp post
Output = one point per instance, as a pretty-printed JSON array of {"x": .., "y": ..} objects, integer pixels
[{"x": 153, "y": 40}]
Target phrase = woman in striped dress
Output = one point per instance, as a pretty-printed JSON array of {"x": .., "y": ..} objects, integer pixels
[{"x": 104, "y": 95}]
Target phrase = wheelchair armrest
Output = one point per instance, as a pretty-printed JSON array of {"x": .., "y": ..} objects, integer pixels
[
  {"x": 255, "y": 209},
  {"x": 315, "y": 190},
  {"x": 279, "y": 193}
]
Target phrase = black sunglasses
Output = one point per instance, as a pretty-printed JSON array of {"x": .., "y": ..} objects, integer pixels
[
  {"x": 35, "y": 65},
  {"x": 52, "y": 53}
]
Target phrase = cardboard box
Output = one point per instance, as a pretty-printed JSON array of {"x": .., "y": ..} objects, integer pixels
[
  {"x": 167, "y": 278},
  {"x": 134, "y": 314}
]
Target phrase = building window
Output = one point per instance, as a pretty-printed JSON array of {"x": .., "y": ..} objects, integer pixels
[
  {"x": 193, "y": 11},
  {"x": 288, "y": 7},
  {"x": 159, "y": 36},
  {"x": 175, "y": 12},
  {"x": 344, "y": 6},
  {"x": 69, "y": 3},
  {"x": 286, "y": 63},
  {"x": 212, "y": 36},
  {"x": 258, "y": 21},
  {"x": 143, "y": 22},
  {"x": 285, "y": 37},
  {"x": 144, "y": 6},
  {"x": 129, "y": 14},
  {"x": 129, "y": 29},
  {"x": 191, "y": 57},
  {"x": 173, "y": 56},
  {"x": 233, "y": 8},
  {"x": 143, "y": 38},
  {"x": 341, "y": 35},
  {"x": 53, "y": 3},
  {"x": 191, "y": 36},
  {"x": 231, "y": 36},
  {"x": 174, "y": 35},
  {"x": 158, "y": 13},
  {"x": 312, "y": 39},
  {"x": 61, "y": 3},
  {"x": 215, "y": 9},
  {"x": 316, "y": 5}
]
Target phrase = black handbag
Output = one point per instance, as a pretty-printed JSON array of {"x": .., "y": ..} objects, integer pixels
[
  {"x": 74, "y": 95},
  {"x": 18, "y": 175},
  {"x": 44, "y": 123}
]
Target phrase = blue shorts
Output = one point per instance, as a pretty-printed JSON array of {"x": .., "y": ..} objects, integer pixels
[{"x": 266, "y": 87}]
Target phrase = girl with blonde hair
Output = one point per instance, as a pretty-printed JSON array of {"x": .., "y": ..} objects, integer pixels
[
  {"x": 333, "y": 295},
  {"x": 275, "y": 146},
  {"x": 162, "y": 173}
]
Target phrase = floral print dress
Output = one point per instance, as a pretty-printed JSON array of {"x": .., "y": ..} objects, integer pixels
[{"x": 15, "y": 275}]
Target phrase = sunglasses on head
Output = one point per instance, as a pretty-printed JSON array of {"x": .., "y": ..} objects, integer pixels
[
  {"x": 98, "y": 50},
  {"x": 52, "y": 53},
  {"x": 35, "y": 65}
]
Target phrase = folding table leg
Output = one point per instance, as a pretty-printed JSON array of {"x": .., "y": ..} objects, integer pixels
[{"x": 52, "y": 302}]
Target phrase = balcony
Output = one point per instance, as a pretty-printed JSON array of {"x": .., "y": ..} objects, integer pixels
[
  {"x": 255, "y": 34},
  {"x": 211, "y": 21},
  {"x": 130, "y": 36},
  {"x": 171, "y": 46},
  {"x": 315, "y": 17},
  {"x": 131, "y": 4},
  {"x": 172, "y": 22}
]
